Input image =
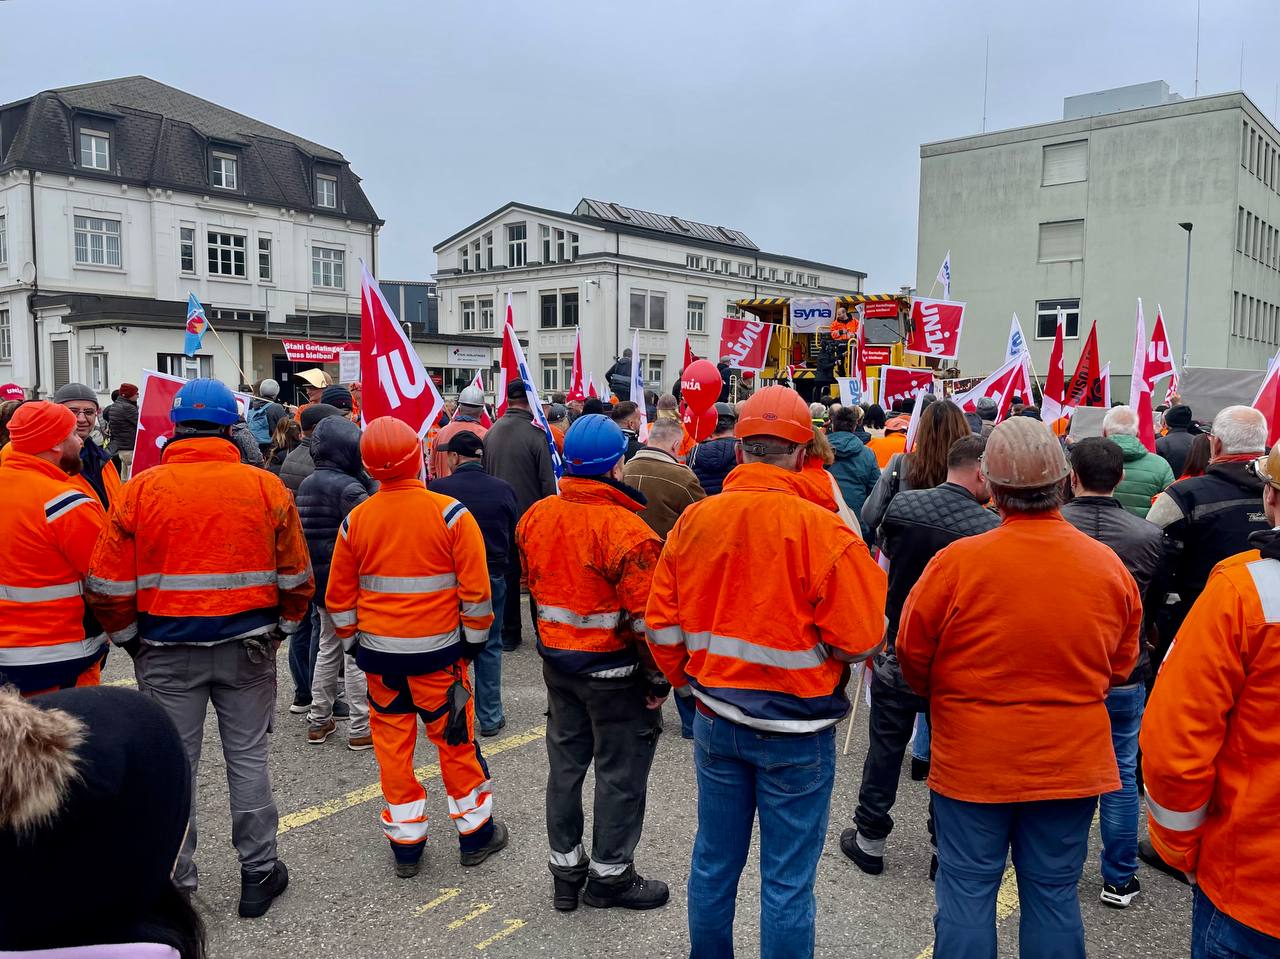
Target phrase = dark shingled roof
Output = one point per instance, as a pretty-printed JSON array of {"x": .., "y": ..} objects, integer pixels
[{"x": 161, "y": 137}]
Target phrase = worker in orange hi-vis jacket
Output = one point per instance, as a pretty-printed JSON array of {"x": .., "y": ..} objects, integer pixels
[
  {"x": 1211, "y": 746},
  {"x": 49, "y": 526},
  {"x": 409, "y": 594}
]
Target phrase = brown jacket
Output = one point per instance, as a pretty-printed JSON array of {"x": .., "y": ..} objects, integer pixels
[{"x": 669, "y": 487}]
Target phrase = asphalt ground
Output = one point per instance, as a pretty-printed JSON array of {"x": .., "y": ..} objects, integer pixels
[{"x": 344, "y": 900}]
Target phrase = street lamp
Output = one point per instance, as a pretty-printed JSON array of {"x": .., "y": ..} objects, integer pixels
[{"x": 1186, "y": 297}]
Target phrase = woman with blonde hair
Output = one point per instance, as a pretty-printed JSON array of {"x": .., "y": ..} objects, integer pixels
[{"x": 285, "y": 438}]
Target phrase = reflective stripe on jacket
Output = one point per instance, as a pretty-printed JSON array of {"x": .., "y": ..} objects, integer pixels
[
  {"x": 590, "y": 560},
  {"x": 759, "y": 600},
  {"x": 201, "y": 549},
  {"x": 1211, "y": 742},
  {"x": 408, "y": 582},
  {"x": 49, "y": 528}
]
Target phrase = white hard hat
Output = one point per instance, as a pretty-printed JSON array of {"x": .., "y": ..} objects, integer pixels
[{"x": 471, "y": 396}]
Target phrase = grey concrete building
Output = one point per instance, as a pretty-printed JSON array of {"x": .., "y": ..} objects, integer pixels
[{"x": 1084, "y": 213}]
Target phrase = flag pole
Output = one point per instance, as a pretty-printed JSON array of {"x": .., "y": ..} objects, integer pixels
[
  {"x": 853, "y": 707},
  {"x": 234, "y": 361}
]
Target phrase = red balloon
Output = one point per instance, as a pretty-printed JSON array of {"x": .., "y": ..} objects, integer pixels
[
  {"x": 700, "y": 385},
  {"x": 700, "y": 425}
]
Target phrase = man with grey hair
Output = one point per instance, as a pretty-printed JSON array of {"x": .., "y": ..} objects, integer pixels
[
  {"x": 1146, "y": 474},
  {"x": 669, "y": 487}
]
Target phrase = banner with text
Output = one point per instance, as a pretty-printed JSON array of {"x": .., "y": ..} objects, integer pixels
[
  {"x": 876, "y": 355},
  {"x": 310, "y": 351},
  {"x": 808, "y": 313},
  {"x": 879, "y": 309},
  {"x": 745, "y": 342},
  {"x": 936, "y": 326},
  {"x": 900, "y": 383},
  {"x": 469, "y": 357}
]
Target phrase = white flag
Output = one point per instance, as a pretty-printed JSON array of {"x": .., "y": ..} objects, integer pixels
[
  {"x": 1017, "y": 340},
  {"x": 944, "y": 276},
  {"x": 637, "y": 386}
]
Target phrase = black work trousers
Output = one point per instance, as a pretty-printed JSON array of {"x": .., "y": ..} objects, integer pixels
[
  {"x": 511, "y": 607},
  {"x": 604, "y": 721},
  {"x": 893, "y": 715}
]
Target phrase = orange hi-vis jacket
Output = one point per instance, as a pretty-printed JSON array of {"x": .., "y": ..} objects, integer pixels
[
  {"x": 110, "y": 481},
  {"x": 49, "y": 528},
  {"x": 1211, "y": 742},
  {"x": 761, "y": 599},
  {"x": 409, "y": 583},
  {"x": 590, "y": 559},
  {"x": 1035, "y": 664},
  {"x": 201, "y": 549}
]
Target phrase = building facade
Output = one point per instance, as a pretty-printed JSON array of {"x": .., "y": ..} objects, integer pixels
[
  {"x": 611, "y": 271},
  {"x": 1084, "y": 214},
  {"x": 119, "y": 198}
]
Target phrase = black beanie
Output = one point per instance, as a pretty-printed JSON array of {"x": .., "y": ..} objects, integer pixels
[
  {"x": 95, "y": 794},
  {"x": 1177, "y": 417}
]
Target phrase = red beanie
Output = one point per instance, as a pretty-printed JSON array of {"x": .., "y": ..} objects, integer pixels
[
  {"x": 128, "y": 390},
  {"x": 36, "y": 427}
]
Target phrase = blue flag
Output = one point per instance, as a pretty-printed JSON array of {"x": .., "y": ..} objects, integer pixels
[{"x": 197, "y": 324}]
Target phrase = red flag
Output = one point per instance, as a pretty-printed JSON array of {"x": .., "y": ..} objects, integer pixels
[
  {"x": 1000, "y": 386},
  {"x": 591, "y": 386},
  {"x": 509, "y": 368},
  {"x": 575, "y": 387},
  {"x": 688, "y": 355},
  {"x": 1053, "y": 405},
  {"x": 1140, "y": 386},
  {"x": 394, "y": 381},
  {"x": 859, "y": 371},
  {"x": 745, "y": 342},
  {"x": 903, "y": 383},
  {"x": 1267, "y": 402},
  {"x": 1085, "y": 387},
  {"x": 935, "y": 328},
  {"x": 1159, "y": 362},
  {"x": 485, "y": 420},
  {"x": 1105, "y": 385}
]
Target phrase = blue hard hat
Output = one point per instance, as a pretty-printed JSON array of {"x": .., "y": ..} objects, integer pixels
[
  {"x": 205, "y": 401},
  {"x": 592, "y": 445}
]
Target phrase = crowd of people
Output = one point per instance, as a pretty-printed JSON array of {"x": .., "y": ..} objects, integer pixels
[{"x": 751, "y": 577}]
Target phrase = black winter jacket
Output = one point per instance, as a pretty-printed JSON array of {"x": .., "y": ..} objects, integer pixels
[
  {"x": 1139, "y": 544},
  {"x": 711, "y": 461},
  {"x": 515, "y": 450},
  {"x": 491, "y": 502},
  {"x": 298, "y": 465},
  {"x": 1174, "y": 447},
  {"x": 336, "y": 486},
  {"x": 917, "y": 526}
]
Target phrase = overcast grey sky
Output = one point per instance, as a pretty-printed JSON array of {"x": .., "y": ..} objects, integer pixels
[{"x": 797, "y": 122}]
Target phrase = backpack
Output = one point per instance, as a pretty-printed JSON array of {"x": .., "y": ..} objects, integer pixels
[{"x": 259, "y": 425}]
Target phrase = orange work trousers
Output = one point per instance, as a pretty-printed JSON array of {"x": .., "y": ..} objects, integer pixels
[
  {"x": 395, "y": 705},
  {"x": 89, "y": 677}
]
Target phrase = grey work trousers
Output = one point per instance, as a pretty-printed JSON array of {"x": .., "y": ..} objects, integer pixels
[
  {"x": 183, "y": 678},
  {"x": 605, "y": 721}
]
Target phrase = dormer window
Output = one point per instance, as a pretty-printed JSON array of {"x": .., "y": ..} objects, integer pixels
[
  {"x": 224, "y": 172},
  {"x": 327, "y": 191},
  {"x": 95, "y": 150}
]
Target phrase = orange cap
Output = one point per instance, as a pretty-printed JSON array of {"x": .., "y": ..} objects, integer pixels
[
  {"x": 775, "y": 411},
  {"x": 391, "y": 449}
]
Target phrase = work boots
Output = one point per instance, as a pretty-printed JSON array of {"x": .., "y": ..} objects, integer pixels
[
  {"x": 258, "y": 892},
  {"x": 868, "y": 862},
  {"x": 473, "y": 857},
  {"x": 634, "y": 892},
  {"x": 565, "y": 898}
]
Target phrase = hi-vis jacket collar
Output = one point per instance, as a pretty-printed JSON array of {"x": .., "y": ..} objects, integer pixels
[
  {"x": 200, "y": 449},
  {"x": 765, "y": 476},
  {"x": 591, "y": 491},
  {"x": 34, "y": 464}
]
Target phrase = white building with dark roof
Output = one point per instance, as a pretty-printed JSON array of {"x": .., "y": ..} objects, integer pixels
[
  {"x": 612, "y": 270},
  {"x": 118, "y": 198}
]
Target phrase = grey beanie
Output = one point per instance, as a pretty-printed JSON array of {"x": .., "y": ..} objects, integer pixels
[
  {"x": 269, "y": 389},
  {"x": 75, "y": 391}
]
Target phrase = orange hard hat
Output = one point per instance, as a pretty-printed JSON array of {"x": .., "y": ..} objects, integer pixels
[
  {"x": 775, "y": 411},
  {"x": 391, "y": 449},
  {"x": 1021, "y": 453}
]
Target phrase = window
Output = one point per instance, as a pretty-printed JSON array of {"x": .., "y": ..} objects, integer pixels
[
  {"x": 224, "y": 171},
  {"x": 95, "y": 150},
  {"x": 264, "y": 259},
  {"x": 725, "y": 267},
  {"x": 653, "y": 370},
  {"x": 1063, "y": 240},
  {"x": 692, "y": 261},
  {"x": 562, "y": 249},
  {"x": 1239, "y": 229},
  {"x": 573, "y": 246},
  {"x": 486, "y": 313},
  {"x": 4, "y": 242},
  {"x": 97, "y": 241},
  {"x": 648, "y": 310},
  {"x": 548, "y": 310},
  {"x": 327, "y": 268},
  {"x": 6, "y": 338},
  {"x": 327, "y": 191},
  {"x": 744, "y": 269},
  {"x": 557, "y": 308},
  {"x": 226, "y": 254},
  {"x": 95, "y": 368},
  {"x": 1065, "y": 163},
  {"x": 696, "y": 314},
  {"x": 546, "y": 243},
  {"x": 488, "y": 251},
  {"x": 464, "y": 253},
  {"x": 1047, "y": 318},
  {"x": 468, "y": 308},
  {"x": 731, "y": 307},
  {"x": 517, "y": 244},
  {"x": 786, "y": 276},
  {"x": 555, "y": 372},
  {"x": 60, "y": 359},
  {"x": 187, "y": 249},
  {"x": 475, "y": 253},
  {"x": 773, "y": 274},
  {"x": 188, "y": 367},
  {"x": 813, "y": 279},
  {"x": 568, "y": 307}
]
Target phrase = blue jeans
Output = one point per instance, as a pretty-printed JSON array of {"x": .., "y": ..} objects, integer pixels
[
  {"x": 687, "y": 710},
  {"x": 488, "y": 664},
  {"x": 1118, "y": 811},
  {"x": 787, "y": 780},
  {"x": 1215, "y": 935},
  {"x": 1049, "y": 841},
  {"x": 304, "y": 644},
  {"x": 920, "y": 745}
]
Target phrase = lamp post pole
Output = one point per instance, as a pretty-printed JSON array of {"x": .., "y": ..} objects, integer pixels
[{"x": 1186, "y": 296}]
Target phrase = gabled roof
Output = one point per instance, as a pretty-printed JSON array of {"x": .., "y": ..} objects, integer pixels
[
  {"x": 162, "y": 136},
  {"x": 662, "y": 223}
]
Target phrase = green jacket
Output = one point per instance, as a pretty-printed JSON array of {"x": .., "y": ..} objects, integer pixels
[{"x": 1146, "y": 475}]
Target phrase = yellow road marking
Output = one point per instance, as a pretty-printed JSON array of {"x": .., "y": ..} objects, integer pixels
[
  {"x": 1006, "y": 905},
  {"x": 358, "y": 797},
  {"x": 480, "y": 909},
  {"x": 122, "y": 682},
  {"x": 512, "y": 926},
  {"x": 445, "y": 896}
]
